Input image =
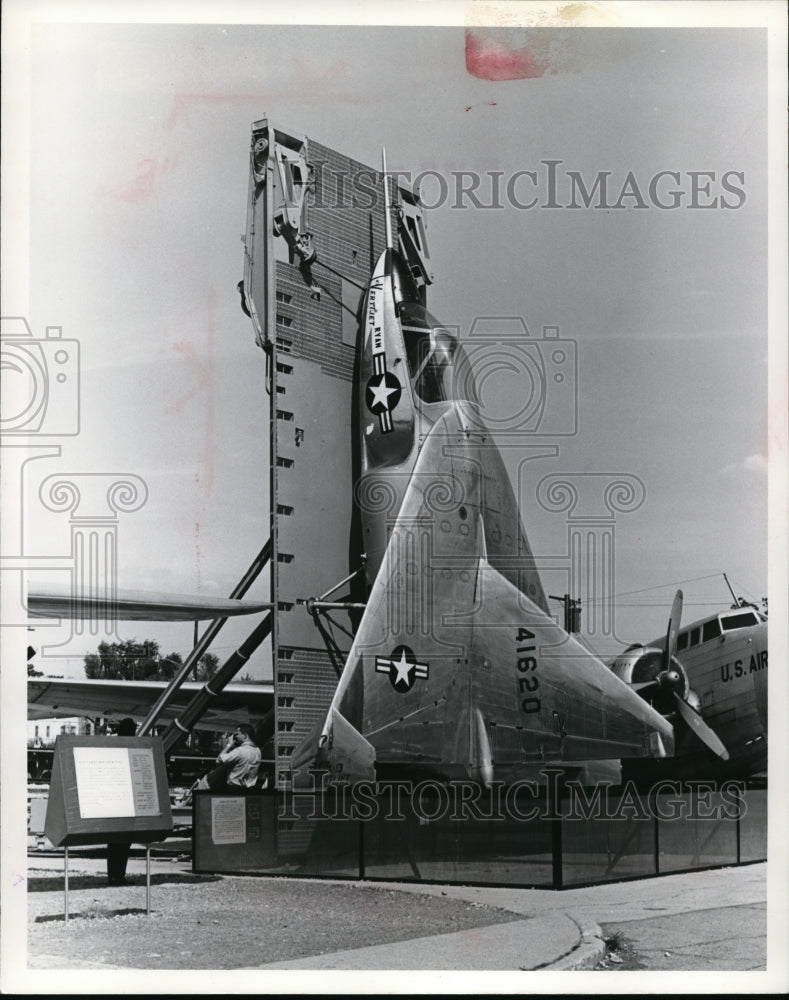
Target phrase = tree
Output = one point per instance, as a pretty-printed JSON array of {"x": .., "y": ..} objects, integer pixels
[
  {"x": 128, "y": 661},
  {"x": 141, "y": 661},
  {"x": 169, "y": 666},
  {"x": 207, "y": 666}
]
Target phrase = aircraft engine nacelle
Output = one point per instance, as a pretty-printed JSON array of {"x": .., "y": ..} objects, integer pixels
[{"x": 642, "y": 668}]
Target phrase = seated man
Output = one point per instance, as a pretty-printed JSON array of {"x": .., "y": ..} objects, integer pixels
[
  {"x": 239, "y": 764},
  {"x": 242, "y": 756}
]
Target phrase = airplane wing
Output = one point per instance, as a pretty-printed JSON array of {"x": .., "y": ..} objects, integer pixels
[
  {"x": 53, "y": 601},
  {"x": 453, "y": 667},
  {"x": 113, "y": 699}
]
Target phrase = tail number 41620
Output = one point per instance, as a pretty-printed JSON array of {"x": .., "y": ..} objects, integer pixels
[{"x": 528, "y": 681}]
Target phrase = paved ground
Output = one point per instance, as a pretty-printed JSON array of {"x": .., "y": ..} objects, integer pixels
[
  {"x": 721, "y": 939},
  {"x": 712, "y": 920}
]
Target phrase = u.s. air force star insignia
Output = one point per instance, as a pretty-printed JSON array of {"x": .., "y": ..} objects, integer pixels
[
  {"x": 402, "y": 668},
  {"x": 382, "y": 393}
]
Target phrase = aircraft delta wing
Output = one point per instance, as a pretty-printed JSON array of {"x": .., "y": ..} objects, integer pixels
[{"x": 454, "y": 670}]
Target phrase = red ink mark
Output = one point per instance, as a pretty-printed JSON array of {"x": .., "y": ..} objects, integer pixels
[
  {"x": 201, "y": 369},
  {"x": 185, "y": 103},
  {"x": 197, "y": 542},
  {"x": 182, "y": 104},
  {"x": 142, "y": 185},
  {"x": 491, "y": 59},
  {"x": 138, "y": 188},
  {"x": 210, "y": 409},
  {"x": 204, "y": 383}
]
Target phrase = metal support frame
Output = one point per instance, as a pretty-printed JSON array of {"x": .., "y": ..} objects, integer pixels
[
  {"x": 181, "y": 726},
  {"x": 202, "y": 644},
  {"x": 314, "y": 606},
  {"x": 317, "y": 606},
  {"x": 336, "y": 655}
]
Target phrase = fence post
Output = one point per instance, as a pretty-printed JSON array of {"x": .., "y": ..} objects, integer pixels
[
  {"x": 556, "y": 853},
  {"x": 739, "y": 819},
  {"x": 655, "y": 826}
]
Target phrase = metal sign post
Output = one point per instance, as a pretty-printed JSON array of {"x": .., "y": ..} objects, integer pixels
[
  {"x": 65, "y": 883},
  {"x": 148, "y": 879}
]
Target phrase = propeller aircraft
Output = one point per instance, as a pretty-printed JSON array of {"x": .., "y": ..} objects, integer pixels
[{"x": 709, "y": 679}]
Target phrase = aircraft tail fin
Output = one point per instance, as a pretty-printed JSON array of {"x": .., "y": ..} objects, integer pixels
[{"x": 345, "y": 746}]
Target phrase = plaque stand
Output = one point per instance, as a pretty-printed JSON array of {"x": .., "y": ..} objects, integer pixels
[
  {"x": 86, "y": 772},
  {"x": 147, "y": 882}
]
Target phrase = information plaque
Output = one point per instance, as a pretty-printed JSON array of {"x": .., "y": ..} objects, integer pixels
[
  {"x": 229, "y": 820},
  {"x": 106, "y": 789}
]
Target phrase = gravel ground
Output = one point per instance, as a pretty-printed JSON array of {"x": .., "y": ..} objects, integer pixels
[{"x": 225, "y": 922}]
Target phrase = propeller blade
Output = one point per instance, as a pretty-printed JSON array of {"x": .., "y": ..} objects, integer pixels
[
  {"x": 674, "y": 619},
  {"x": 700, "y": 728},
  {"x": 642, "y": 686}
]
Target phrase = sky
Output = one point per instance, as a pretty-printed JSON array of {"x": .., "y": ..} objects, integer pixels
[{"x": 138, "y": 185}]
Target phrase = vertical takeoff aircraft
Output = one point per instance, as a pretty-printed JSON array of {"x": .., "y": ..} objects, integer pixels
[{"x": 456, "y": 668}]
